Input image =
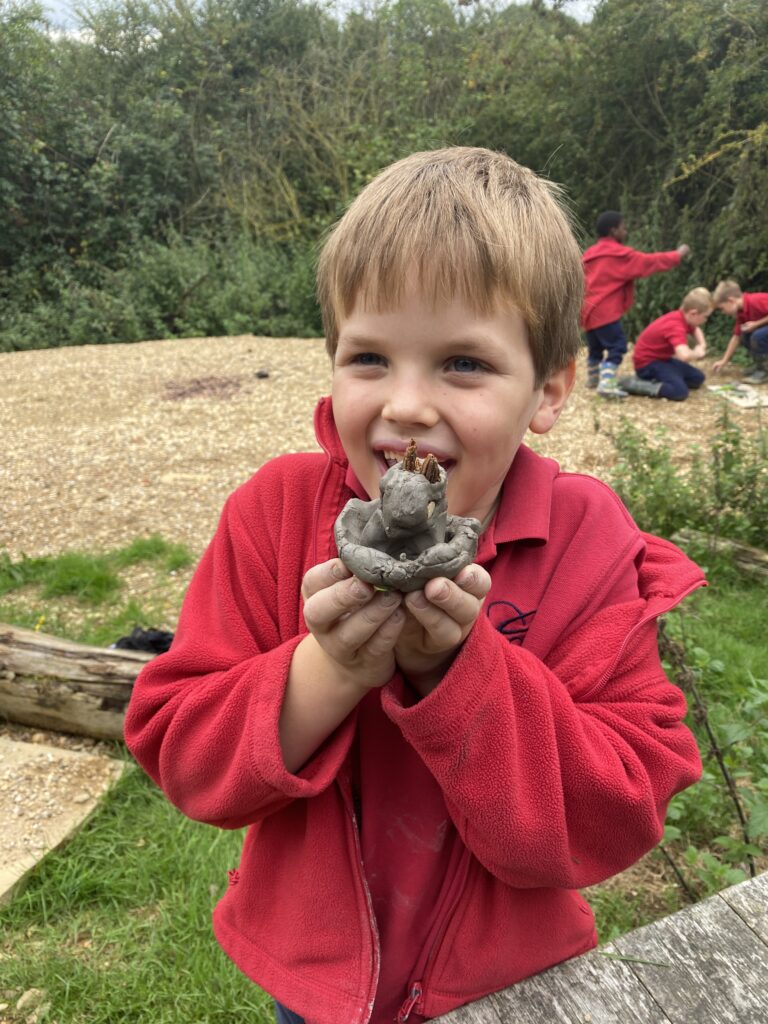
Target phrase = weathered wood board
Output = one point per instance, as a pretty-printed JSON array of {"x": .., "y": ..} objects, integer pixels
[
  {"x": 707, "y": 964},
  {"x": 55, "y": 684}
]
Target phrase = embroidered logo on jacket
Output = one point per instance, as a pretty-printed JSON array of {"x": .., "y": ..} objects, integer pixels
[{"x": 512, "y": 622}]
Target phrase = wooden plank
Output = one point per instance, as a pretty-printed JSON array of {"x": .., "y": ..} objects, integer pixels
[
  {"x": 716, "y": 965},
  {"x": 593, "y": 989},
  {"x": 750, "y": 901},
  {"x": 482, "y": 1011}
]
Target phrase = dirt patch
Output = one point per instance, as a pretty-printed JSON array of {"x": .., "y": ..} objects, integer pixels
[
  {"x": 45, "y": 794},
  {"x": 95, "y": 455}
]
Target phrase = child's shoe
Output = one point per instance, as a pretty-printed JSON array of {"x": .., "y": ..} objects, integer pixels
[
  {"x": 759, "y": 373},
  {"x": 593, "y": 375},
  {"x": 607, "y": 387},
  {"x": 635, "y": 385}
]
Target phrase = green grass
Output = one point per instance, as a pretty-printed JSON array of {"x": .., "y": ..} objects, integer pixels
[
  {"x": 80, "y": 595},
  {"x": 116, "y": 927}
]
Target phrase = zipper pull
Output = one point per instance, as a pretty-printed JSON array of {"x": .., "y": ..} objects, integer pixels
[{"x": 413, "y": 997}]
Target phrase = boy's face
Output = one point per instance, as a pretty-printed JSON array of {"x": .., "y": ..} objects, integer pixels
[
  {"x": 730, "y": 306},
  {"x": 696, "y": 318},
  {"x": 620, "y": 232},
  {"x": 460, "y": 383}
]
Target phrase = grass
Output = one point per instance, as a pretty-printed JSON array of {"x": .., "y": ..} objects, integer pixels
[
  {"x": 116, "y": 926},
  {"x": 80, "y": 595}
]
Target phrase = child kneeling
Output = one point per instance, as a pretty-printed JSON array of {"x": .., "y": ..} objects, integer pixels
[{"x": 662, "y": 355}]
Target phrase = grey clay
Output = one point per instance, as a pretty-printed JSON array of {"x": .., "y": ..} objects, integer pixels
[{"x": 406, "y": 537}]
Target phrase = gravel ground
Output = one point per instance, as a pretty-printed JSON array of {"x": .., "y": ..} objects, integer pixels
[{"x": 103, "y": 444}]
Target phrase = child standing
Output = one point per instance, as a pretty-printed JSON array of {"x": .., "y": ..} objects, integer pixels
[
  {"x": 662, "y": 355},
  {"x": 750, "y": 310},
  {"x": 610, "y": 270},
  {"x": 427, "y": 779}
]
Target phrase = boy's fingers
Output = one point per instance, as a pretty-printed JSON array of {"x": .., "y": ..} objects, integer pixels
[
  {"x": 474, "y": 580},
  {"x": 324, "y": 575},
  {"x": 330, "y": 603},
  {"x": 360, "y": 625},
  {"x": 386, "y": 636}
]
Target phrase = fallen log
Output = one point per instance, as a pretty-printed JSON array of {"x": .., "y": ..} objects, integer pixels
[
  {"x": 55, "y": 684},
  {"x": 750, "y": 560}
]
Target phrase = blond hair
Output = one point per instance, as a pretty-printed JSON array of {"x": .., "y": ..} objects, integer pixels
[
  {"x": 472, "y": 224},
  {"x": 726, "y": 290},
  {"x": 699, "y": 300}
]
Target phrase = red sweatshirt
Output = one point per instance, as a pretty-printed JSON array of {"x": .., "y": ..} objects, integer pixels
[
  {"x": 543, "y": 761},
  {"x": 755, "y": 308},
  {"x": 610, "y": 270},
  {"x": 660, "y": 339}
]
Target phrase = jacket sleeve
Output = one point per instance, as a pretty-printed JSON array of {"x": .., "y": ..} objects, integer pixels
[
  {"x": 643, "y": 264},
  {"x": 203, "y": 718},
  {"x": 556, "y": 774}
]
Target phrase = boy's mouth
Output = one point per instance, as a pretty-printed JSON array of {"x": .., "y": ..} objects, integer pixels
[{"x": 388, "y": 457}]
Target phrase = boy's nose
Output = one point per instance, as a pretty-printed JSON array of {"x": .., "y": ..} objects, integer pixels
[{"x": 411, "y": 404}]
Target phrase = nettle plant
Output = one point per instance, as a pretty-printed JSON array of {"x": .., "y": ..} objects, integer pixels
[
  {"x": 717, "y": 830},
  {"x": 723, "y": 493}
]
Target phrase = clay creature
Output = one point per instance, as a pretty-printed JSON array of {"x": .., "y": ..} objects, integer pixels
[{"x": 406, "y": 537}]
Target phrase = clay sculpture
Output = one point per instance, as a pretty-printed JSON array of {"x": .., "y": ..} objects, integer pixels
[{"x": 406, "y": 537}]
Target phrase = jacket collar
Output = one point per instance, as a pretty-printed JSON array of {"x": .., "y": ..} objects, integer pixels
[{"x": 526, "y": 494}]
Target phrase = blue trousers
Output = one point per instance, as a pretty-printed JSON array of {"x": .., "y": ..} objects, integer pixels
[
  {"x": 676, "y": 377},
  {"x": 756, "y": 341},
  {"x": 284, "y": 1016},
  {"x": 607, "y": 343}
]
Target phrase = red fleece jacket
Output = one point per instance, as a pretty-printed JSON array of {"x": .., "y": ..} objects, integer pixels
[
  {"x": 546, "y": 756},
  {"x": 610, "y": 270}
]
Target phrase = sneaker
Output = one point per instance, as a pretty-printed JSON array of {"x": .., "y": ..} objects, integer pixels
[
  {"x": 757, "y": 376},
  {"x": 608, "y": 388},
  {"x": 593, "y": 375},
  {"x": 612, "y": 392}
]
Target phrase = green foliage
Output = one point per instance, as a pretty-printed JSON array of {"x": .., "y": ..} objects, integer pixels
[
  {"x": 80, "y": 595},
  {"x": 723, "y": 493},
  {"x": 171, "y": 170}
]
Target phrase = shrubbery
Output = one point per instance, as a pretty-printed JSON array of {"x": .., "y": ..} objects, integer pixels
[{"x": 171, "y": 170}]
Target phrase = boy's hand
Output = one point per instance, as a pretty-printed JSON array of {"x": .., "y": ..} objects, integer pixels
[
  {"x": 718, "y": 365},
  {"x": 684, "y": 250},
  {"x": 749, "y": 326},
  {"x": 439, "y": 619},
  {"x": 356, "y": 626}
]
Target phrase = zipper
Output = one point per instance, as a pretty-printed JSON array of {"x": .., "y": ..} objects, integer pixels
[
  {"x": 672, "y": 603},
  {"x": 346, "y": 791},
  {"x": 450, "y": 897},
  {"x": 414, "y": 995}
]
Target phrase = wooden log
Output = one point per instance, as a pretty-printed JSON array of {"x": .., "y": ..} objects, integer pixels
[
  {"x": 750, "y": 560},
  {"x": 55, "y": 684}
]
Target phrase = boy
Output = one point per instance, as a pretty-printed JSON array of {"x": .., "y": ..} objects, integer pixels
[
  {"x": 662, "y": 355},
  {"x": 610, "y": 270},
  {"x": 427, "y": 779},
  {"x": 750, "y": 309}
]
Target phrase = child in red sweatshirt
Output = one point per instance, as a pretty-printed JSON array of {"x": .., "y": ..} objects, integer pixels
[
  {"x": 427, "y": 779},
  {"x": 610, "y": 270},
  {"x": 750, "y": 311},
  {"x": 663, "y": 356}
]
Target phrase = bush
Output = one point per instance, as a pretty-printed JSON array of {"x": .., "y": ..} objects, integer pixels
[{"x": 723, "y": 493}]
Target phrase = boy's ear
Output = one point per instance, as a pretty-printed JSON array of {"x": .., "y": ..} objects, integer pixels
[{"x": 554, "y": 395}]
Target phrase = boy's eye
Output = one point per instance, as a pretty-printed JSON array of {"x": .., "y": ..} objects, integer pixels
[
  {"x": 464, "y": 364},
  {"x": 368, "y": 359}
]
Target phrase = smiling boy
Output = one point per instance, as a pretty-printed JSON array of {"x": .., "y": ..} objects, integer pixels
[{"x": 428, "y": 779}]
